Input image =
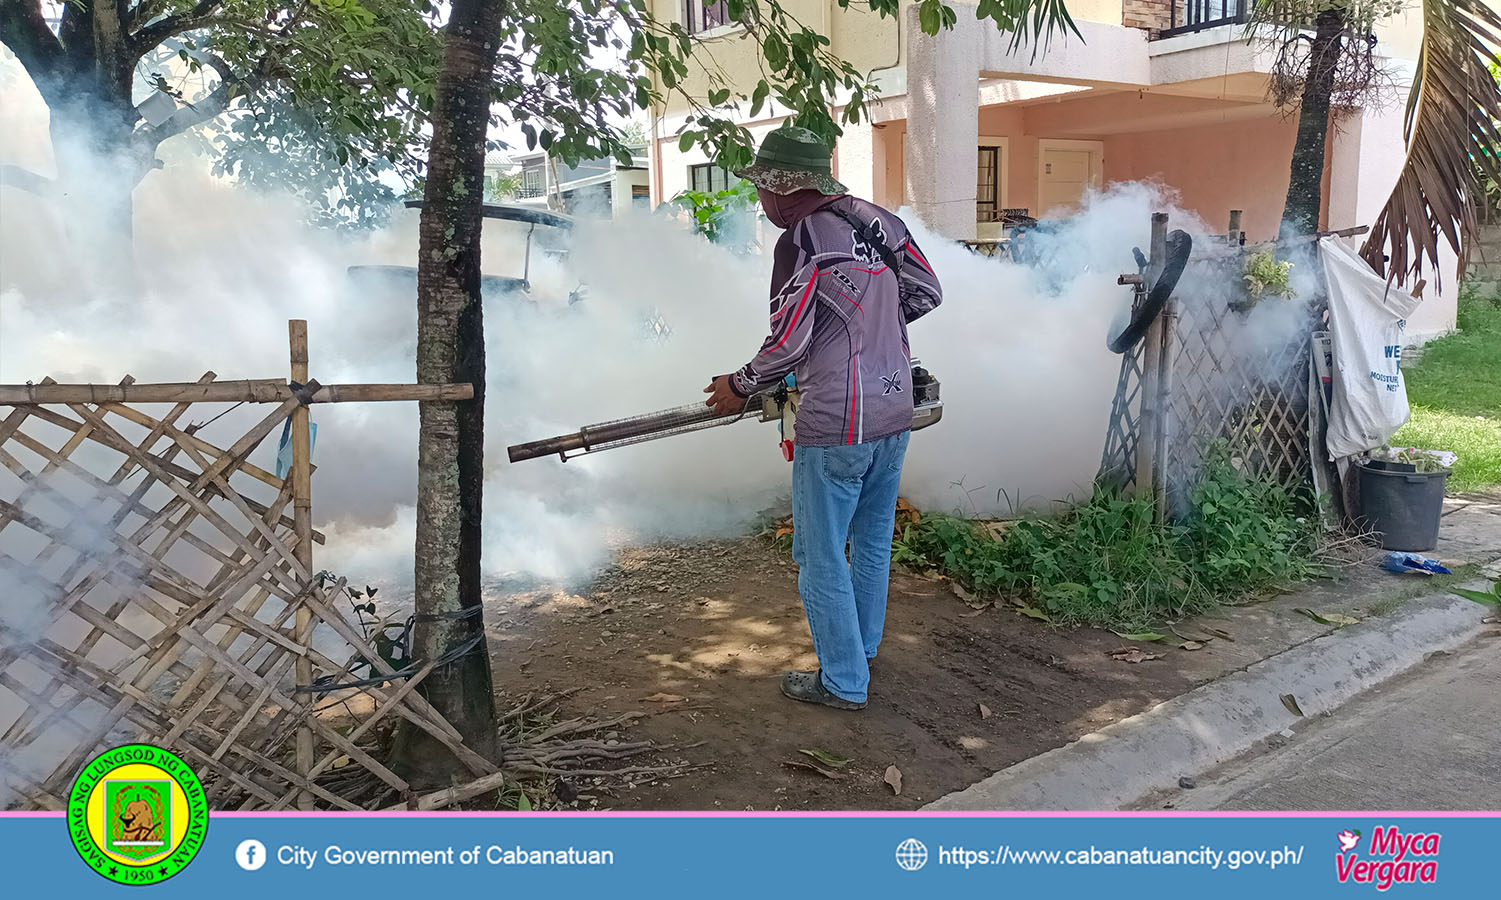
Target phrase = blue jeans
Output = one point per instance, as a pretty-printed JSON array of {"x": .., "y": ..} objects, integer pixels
[{"x": 845, "y": 495}]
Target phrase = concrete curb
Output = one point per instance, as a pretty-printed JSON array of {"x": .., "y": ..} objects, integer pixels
[{"x": 1223, "y": 718}]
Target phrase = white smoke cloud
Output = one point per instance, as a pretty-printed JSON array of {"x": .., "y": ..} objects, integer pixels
[
  {"x": 1026, "y": 376},
  {"x": 66, "y": 536}
]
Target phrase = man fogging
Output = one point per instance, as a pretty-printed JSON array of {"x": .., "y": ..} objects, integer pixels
[{"x": 846, "y": 280}]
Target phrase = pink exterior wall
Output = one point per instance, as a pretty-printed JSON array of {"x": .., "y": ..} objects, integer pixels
[
  {"x": 1217, "y": 156},
  {"x": 1236, "y": 165},
  {"x": 1021, "y": 169}
]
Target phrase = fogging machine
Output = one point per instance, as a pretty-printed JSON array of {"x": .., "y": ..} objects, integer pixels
[{"x": 778, "y": 404}]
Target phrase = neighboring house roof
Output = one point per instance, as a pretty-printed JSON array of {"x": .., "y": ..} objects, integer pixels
[
  {"x": 639, "y": 159},
  {"x": 602, "y": 178}
]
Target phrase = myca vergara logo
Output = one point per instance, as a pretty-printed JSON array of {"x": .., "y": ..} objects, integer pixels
[
  {"x": 137, "y": 814},
  {"x": 1391, "y": 858}
]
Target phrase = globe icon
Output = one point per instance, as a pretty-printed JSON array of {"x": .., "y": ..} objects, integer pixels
[{"x": 911, "y": 854}]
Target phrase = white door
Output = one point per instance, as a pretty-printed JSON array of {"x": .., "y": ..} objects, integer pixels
[{"x": 1066, "y": 173}]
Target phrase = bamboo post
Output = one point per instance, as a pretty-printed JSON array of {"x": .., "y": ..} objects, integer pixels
[
  {"x": 1169, "y": 320},
  {"x": 302, "y": 518},
  {"x": 1146, "y": 426}
]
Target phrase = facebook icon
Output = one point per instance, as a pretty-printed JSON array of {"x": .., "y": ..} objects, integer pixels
[{"x": 251, "y": 854}]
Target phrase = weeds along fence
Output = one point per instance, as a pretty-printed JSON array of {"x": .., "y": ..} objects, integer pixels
[
  {"x": 157, "y": 588},
  {"x": 1206, "y": 373}
]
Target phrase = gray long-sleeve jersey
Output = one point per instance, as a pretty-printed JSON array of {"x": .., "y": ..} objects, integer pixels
[{"x": 839, "y": 322}]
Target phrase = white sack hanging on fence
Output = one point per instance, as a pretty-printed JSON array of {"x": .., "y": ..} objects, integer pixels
[{"x": 1367, "y": 319}]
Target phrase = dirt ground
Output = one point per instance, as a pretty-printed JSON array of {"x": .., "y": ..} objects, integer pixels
[{"x": 717, "y": 623}]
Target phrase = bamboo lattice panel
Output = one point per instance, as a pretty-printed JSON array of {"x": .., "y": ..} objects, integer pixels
[
  {"x": 1118, "y": 465},
  {"x": 1235, "y": 384},
  {"x": 149, "y": 591},
  {"x": 1230, "y": 383}
]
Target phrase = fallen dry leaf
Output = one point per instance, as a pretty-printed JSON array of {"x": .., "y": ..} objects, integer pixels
[
  {"x": 959, "y": 591},
  {"x": 1196, "y": 638},
  {"x": 827, "y": 773},
  {"x": 894, "y": 778},
  {"x": 660, "y": 697},
  {"x": 1133, "y": 655},
  {"x": 1327, "y": 618},
  {"x": 782, "y": 532},
  {"x": 972, "y": 613},
  {"x": 1312, "y": 615},
  {"x": 984, "y": 711},
  {"x": 997, "y": 529},
  {"x": 825, "y": 758},
  {"x": 1191, "y": 645},
  {"x": 1291, "y": 702},
  {"x": 906, "y": 512},
  {"x": 1222, "y": 635}
]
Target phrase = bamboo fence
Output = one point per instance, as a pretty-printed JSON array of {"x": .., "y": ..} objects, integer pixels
[{"x": 151, "y": 597}]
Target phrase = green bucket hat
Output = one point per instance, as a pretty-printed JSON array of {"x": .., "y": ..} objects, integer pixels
[{"x": 793, "y": 159}]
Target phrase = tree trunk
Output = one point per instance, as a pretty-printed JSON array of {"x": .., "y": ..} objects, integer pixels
[
  {"x": 1305, "y": 187},
  {"x": 98, "y": 169},
  {"x": 450, "y": 348},
  {"x": 85, "y": 75}
]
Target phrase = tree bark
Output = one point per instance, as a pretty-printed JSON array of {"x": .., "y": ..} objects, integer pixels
[
  {"x": 85, "y": 74},
  {"x": 1305, "y": 187},
  {"x": 450, "y": 348}
]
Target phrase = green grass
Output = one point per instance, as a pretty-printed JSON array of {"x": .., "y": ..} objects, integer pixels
[
  {"x": 1107, "y": 563},
  {"x": 1410, "y": 589},
  {"x": 1455, "y": 393}
]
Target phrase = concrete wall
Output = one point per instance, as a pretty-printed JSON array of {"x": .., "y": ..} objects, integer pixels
[
  {"x": 1216, "y": 168},
  {"x": 1240, "y": 164},
  {"x": 857, "y": 35},
  {"x": 1366, "y": 155},
  {"x": 672, "y": 164},
  {"x": 620, "y": 187}
]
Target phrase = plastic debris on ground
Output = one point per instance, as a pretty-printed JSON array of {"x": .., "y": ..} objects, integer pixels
[{"x": 1402, "y": 563}]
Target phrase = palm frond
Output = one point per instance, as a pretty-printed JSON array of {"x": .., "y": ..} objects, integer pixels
[
  {"x": 1452, "y": 141},
  {"x": 1030, "y": 22}
]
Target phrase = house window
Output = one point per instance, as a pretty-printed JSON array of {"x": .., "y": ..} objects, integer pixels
[
  {"x": 640, "y": 195},
  {"x": 988, "y": 185},
  {"x": 532, "y": 180},
  {"x": 709, "y": 178},
  {"x": 701, "y": 15}
]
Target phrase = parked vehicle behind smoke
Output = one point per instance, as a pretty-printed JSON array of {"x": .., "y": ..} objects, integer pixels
[{"x": 551, "y": 240}]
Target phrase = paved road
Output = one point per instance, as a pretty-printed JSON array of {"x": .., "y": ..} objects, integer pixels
[{"x": 1428, "y": 739}]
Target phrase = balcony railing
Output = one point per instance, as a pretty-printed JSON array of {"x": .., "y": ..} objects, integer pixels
[{"x": 1189, "y": 16}]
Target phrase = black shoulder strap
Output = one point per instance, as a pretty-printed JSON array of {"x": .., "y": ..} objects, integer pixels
[{"x": 868, "y": 236}]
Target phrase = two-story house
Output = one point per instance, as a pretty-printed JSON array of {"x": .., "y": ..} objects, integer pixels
[
  {"x": 1157, "y": 90},
  {"x": 595, "y": 186}
]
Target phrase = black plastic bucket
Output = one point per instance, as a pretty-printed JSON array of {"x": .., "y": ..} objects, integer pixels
[{"x": 1403, "y": 508}]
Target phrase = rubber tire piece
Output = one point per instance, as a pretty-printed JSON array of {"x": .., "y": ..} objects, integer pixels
[{"x": 1179, "y": 246}]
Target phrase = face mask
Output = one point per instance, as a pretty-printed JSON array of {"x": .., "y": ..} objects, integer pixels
[
  {"x": 772, "y": 205},
  {"x": 782, "y": 210}
]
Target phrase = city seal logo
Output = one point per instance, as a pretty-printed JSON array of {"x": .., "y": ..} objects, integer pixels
[{"x": 137, "y": 814}]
